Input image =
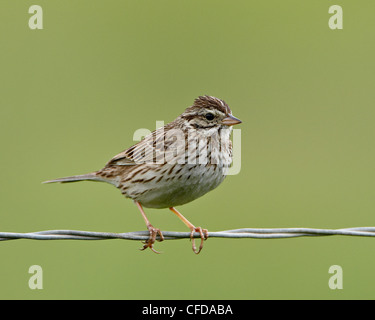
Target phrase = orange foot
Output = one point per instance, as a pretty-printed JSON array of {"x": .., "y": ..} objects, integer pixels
[
  {"x": 149, "y": 243},
  {"x": 204, "y": 235}
]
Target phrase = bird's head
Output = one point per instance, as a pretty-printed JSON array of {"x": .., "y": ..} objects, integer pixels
[{"x": 209, "y": 112}]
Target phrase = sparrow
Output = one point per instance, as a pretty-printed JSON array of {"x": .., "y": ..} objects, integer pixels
[{"x": 173, "y": 165}]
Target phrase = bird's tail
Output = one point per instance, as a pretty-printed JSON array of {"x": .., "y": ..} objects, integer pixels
[{"x": 90, "y": 176}]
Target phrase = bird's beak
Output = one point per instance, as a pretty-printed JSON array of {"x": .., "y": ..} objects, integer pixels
[{"x": 231, "y": 120}]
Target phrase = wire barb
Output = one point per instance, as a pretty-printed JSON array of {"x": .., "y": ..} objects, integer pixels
[{"x": 171, "y": 235}]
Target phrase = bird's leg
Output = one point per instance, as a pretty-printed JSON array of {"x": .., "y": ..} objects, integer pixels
[
  {"x": 203, "y": 232},
  {"x": 149, "y": 243}
]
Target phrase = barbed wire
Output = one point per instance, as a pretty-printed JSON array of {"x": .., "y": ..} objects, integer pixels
[{"x": 254, "y": 233}]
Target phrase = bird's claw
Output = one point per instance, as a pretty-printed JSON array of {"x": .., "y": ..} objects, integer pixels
[
  {"x": 203, "y": 234},
  {"x": 149, "y": 243}
]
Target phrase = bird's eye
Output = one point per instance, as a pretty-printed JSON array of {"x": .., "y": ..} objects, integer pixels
[{"x": 210, "y": 116}]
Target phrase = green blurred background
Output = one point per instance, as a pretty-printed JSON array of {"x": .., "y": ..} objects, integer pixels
[{"x": 73, "y": 94}]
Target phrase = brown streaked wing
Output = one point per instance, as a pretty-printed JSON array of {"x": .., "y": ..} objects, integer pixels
[{"x": 145, "y": 150}]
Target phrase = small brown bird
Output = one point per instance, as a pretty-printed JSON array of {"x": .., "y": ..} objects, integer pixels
[{"x": 175, "y": 164}]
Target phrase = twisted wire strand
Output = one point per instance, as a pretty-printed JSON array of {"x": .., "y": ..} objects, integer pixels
[{"x": 254, "y": 233}]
